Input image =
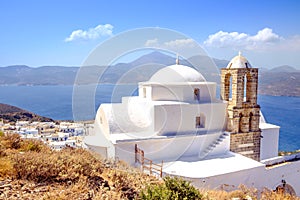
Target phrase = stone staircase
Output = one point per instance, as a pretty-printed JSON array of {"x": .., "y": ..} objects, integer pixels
[{"x": 213, "y": 145}]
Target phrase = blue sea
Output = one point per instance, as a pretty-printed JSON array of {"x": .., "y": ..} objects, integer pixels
[{"x": 56, "y": 102}]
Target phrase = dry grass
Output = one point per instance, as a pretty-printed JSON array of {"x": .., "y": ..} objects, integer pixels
[
  {"x": 244, "y": 193},
  {"x": 31, "y": 170},
  {"x": 27, "y": 166}
]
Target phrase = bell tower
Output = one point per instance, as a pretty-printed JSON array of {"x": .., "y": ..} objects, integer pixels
[{"x": 239, "y": 83}]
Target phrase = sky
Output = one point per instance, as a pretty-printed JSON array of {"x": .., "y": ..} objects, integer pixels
[{"x": 64, "y": 32}]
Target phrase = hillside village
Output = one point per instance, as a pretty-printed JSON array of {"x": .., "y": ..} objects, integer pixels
[{"x": 57, "y": 135}]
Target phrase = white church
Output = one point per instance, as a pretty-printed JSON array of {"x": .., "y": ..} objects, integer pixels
[{"x": 177, "y": 126}]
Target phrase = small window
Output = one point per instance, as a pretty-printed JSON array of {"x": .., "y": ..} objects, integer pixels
[
  {"x": 197, "y": 94},
  {"x": 200, "y": 122},
  {"x": 144, "y": 92},
  {"x": 101, "y": 120}
]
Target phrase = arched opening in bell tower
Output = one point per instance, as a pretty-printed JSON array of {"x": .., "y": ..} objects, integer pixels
[
  {"x": 248, "y": 86},
  {"x": 228, "y": 87},
  {"x": 245, "y": 91}
]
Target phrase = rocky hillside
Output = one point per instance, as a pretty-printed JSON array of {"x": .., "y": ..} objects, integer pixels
[
  {"x": 11, "y": 114},
  {"x": 280, "y": 81}
]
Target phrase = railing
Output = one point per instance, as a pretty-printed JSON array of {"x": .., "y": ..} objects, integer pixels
[{"x": 147, "y": 163}]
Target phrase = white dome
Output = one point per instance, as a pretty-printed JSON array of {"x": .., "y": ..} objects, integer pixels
[
  {"x": 238, "y": 62},
  {"x": 177, "y": 73}
]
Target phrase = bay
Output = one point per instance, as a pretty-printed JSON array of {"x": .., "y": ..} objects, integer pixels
[{"x": 56, "y": 102}]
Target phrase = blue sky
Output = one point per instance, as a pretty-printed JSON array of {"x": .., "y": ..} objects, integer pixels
[{"x": 64, "y": 32}]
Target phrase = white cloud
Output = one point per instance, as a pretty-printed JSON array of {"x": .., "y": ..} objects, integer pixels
[
  {"x": 264, "y": 39},
  {"x": 92, "y": 33},
  {"x": 181, "y": 43},
  {"x": 172, "y": 44},
  {"x": 152, "y": 42}
]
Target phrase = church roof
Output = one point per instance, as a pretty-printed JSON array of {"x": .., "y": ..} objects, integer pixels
[
  {"x": 214, "y": 165},
  {"x": 177, "y": 73},
  {"x": 238, "y": 61}
]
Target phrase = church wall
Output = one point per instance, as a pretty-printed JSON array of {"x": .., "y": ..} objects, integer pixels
[
  {"x": 290, "y": 173},
  {"x": 269, "y": 142},
  {"x": 166, "y": 149},
  {"x": 207, "y": 93},
  {"x": 101, "y": 119},
  {"x": 165, "y": 93},
  {"x": 259, "y": 178},
  {"x": 184, "y": 92},
  {"x": 145, "y": 91},
  {"x": 170, "y": 119},
  {"x": 133, "y": 115},
  {"x": 99, "y": 150},
  {"x": 231, "y": 181}
]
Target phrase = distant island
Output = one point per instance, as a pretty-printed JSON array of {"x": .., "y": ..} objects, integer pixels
[{"x": 279, "y": 81}]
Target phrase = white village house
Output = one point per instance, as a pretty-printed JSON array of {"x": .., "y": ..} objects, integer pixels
[{"x": 177, "y": 124}]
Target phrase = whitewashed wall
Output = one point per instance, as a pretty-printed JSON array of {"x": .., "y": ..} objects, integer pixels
[
  {"x": 269, "y": 141},
  {"x": 166, "y": 149},
  {"x": 170, "y": 119},
  {"x": 259, "y": 178},
  {"x": 178, "y": 92}
]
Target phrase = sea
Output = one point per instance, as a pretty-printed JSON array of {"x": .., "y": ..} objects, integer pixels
[{"x": 62, "y": 102}]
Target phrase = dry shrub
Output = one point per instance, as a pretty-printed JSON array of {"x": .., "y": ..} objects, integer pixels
[
  {"x": 6, "y": 167},
  {"x": 244, "y": 193},
  {"x": 214, "y": 194},
  {"x": 10, "y": 141},
  {"x": 66, "y": 165},
  {"x": 14, "y": 141},
  {"x": 33, "y": 145},
  {"x": 124, "y": 184},
  {"x": 270, "y": 195}
]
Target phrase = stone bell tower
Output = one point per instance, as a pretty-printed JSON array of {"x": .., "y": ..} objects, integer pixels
[{"x": 239, "y": 83}]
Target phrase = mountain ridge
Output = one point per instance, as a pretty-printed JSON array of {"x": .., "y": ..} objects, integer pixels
[{"x": 280, "y": 81}]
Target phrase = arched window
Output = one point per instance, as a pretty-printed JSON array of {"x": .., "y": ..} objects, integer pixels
[
  {"x": 197, "y": 94},
  {"x": 228, "y": 87},
  {"x": 144, "y": 92},
  {"x": 200, "y": 121}
]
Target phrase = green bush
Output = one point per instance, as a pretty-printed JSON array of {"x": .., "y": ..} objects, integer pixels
[{"x": 171, "y": 188}]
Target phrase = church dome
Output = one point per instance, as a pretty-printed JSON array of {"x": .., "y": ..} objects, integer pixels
[
  {"x": 177, "y": 73},
  {"x": 238, "y": 61}
]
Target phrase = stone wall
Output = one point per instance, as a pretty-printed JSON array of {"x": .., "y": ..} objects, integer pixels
[{"x": 247, "y": 144}]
